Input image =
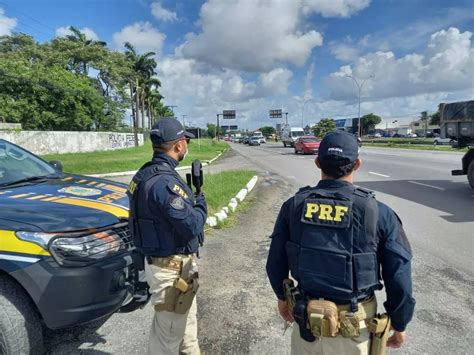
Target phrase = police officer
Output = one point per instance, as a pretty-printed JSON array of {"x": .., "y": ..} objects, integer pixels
[
  {"x": 167, "y": 226},
  {"x": 334, "y": 238}
]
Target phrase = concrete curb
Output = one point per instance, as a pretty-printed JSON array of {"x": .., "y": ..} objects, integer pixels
[
  {"x": 133, "y": 172},
  {"x": 224, "y": 213}
]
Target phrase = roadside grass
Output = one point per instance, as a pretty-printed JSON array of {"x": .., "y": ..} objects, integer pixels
[
  {"x": 129, "y": 159},
  {"x": 415, "y": 147},
  {"x": 219, "y": 188}
]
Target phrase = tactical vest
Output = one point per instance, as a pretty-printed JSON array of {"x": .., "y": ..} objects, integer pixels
[
  {"x": 332, "y": 251},
  {"x": 151, "y": 234}
]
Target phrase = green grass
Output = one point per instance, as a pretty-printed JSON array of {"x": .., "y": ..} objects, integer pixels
[
  {"x": 130, "y": 158},
  {"x": 221, "y": 187},
  {"x": 416, "y": 147}
]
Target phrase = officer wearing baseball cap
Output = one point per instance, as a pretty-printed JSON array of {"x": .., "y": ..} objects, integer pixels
[
  {"x": 334, "y": 238},
  {"x": 167, "y": 223}
]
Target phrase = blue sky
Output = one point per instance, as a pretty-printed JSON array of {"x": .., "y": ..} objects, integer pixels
[{"x": 253, "y": 55}]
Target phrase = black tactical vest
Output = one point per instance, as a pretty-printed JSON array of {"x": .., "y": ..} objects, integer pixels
[
  {"x": 332, "y": 251},
  {"x": 152, "y": 235}
]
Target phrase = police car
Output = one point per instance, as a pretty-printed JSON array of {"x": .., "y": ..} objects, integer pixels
[{"x": 66, "y": 253}]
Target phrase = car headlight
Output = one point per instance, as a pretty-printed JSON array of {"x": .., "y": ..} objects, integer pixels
[{"x": 73, "y": 249}]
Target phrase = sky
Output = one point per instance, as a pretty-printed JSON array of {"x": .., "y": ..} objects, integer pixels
[{"x": 306, "y": 57}]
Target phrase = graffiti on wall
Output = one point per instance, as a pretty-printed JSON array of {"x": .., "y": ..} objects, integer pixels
[{"x": 121, "y": 140}]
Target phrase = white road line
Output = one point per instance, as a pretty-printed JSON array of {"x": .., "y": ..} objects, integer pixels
[
  {"x": 291, "y": 177},
  {"x": 371, "y": 172},
  {"x": 433, "y": 187}
]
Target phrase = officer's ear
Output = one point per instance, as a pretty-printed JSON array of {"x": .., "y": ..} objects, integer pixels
[
  {"x": 358, "y": 164},
  {"x": 317, "y": 162}
]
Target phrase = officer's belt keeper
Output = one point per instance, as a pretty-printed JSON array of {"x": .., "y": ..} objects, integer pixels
[{"x": 379, "y": 327}]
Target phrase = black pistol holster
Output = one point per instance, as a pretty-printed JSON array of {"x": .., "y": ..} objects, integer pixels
[{"x": 301, "y": 318}]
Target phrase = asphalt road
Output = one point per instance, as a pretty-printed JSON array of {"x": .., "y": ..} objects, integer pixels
[
  {"x": 437, "y": 210},
  {"x": 236, "y": 307}
]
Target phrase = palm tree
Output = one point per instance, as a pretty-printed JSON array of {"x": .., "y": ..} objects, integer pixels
[
  {"x": 80, "y": 38},
  {"x": 144, "y": 67}
]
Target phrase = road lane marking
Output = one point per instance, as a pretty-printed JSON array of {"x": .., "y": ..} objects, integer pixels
[
  {"x": 426, "y": 185},
  {"x": 291, "y": 177},
  {"x": 371, "y": 172}
]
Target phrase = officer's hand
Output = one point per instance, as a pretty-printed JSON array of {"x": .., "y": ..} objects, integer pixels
[
  {"x": 285, "y": 312},
  {"x": 396, "y": 340}
]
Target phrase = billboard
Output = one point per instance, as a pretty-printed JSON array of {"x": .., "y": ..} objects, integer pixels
[
  {"x": 276, "y": 113},
  {"x": 228, "y": 114}
]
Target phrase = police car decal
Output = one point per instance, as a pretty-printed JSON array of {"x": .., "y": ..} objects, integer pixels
[
  {"x": 326, "y": 212},
  {"x": 80, "y": 191}
]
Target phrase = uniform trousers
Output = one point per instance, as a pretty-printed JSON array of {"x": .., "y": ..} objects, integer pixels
[{"x": 171, "y": 333}]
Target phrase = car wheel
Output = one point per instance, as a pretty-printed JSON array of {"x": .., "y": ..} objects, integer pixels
[
  {"x": 296, "y": 151},
  {"x": 435, "y": 143},
  {"x": 470, "y": 174},
  {"x": 20, "y": 327},
  {"x": 284, "y": 144}
]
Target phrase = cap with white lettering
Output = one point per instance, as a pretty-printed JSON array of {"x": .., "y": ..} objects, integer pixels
[
  {"x": 167, "y": 130},
  {"x": 339, "y": 145}
]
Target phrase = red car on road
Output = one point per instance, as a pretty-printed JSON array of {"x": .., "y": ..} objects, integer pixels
[{"x": 307, "y": 145}]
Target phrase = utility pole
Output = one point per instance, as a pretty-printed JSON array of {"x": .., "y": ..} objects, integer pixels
[
  {"x": 286, "y": 118},
  {"x": 217, "y": 127},
  {"x": 184, "y": 121},
  {"x": 172, "y": 107}
]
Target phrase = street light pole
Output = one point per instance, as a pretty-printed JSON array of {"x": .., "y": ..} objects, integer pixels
[
  {"x": 359, "y": 87},
  {"x": 217, "y": 127},
  {"x": 286, "y": 118},
  {"x": 184, "y": 121}
]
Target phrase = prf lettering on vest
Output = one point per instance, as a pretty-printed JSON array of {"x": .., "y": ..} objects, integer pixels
[
  {"x": 180, "y": 191},
  {"x": 326, "y": 212}
]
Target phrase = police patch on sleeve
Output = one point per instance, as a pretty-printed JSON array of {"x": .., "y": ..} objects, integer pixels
[
  {"x": 176, "y": 189},
  {"x": 177, "y": 203},
  {"x": 327, "y": 212}
]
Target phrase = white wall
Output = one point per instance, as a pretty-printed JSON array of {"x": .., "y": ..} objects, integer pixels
[{"x": 49, "y": 142}]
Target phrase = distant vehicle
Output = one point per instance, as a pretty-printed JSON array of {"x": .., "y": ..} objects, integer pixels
[
  {"x": 457, "y": 122},
  {"x": 306, "y": 145},
  {"x": 440, "y": 141},
  {"x": 254, "y": 141},
  {"x": 290, "y": 134},
  {"x": 377, "y": 135},
  {"x": 227, "y": 139},
  {"x": 246, "y": 140},
  {"x": 259, "y": 135},
  {"x": 412, "y": 135}
]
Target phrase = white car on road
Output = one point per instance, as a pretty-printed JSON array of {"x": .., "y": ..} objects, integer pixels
[{"x": 446, "y": 141}]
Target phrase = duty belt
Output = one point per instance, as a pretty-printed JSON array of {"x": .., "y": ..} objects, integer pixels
[{"x": 174, "y": 262}]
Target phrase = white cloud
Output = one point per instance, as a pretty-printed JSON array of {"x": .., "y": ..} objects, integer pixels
[
  {"x": 335, "y": 8},
  {"x": 142, "y": 35},
  {"x": 406, "y": 38},
  {"x": 251, "y": 35},
  {"x": 276, "y": 81},
  {"x": 65, "y": 31},
  {"x": 7, "y": 24},
  {"x": 446, "y": 66},
  {"x": 162, "y": 14}
]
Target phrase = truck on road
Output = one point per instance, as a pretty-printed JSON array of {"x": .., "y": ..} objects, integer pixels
[
  {"x": 457, "y": 123},
  {"x": 290, "y": 135}
]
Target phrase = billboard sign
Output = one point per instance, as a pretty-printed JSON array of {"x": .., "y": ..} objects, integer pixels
[
  {"x": 228, "y": 114},
  {"x": 276, "y": 113}
]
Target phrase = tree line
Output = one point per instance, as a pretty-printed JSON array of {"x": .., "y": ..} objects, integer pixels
[{"x": 75, "y": 83}]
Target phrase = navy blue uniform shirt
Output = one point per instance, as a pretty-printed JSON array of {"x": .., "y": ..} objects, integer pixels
[
  {"x": 394, "y": 255},
  {"x": 182, "y": 212}
]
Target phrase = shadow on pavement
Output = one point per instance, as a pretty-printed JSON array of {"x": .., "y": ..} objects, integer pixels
[
  {"x": 69, "y": 340},
  {"x": 456, "y": 200}
]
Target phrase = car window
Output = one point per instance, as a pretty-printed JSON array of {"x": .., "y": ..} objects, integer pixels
[
  {"x": 296, "y": 134},
  {"x": 17, "y": 163},
  {"x": 309, "y": 140}
]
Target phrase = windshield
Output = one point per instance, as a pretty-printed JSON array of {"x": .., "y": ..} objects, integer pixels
[
  {"x": 297, "y": 133},
  {"x": 18, "y": 164},
  {"x": 309, "y": 140}
]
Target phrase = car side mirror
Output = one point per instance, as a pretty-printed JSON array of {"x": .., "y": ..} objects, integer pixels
[{"x": 57, "y": 165}]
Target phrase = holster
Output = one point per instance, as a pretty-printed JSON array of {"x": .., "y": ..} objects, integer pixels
[
  {"x": 301, "y": 318},
  {"x": 180, "y": 296},
  {"x": 379, "y": 327},
  {"x": 323, "y": 320}
]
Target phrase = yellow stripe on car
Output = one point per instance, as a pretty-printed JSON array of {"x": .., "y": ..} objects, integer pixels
[
  {"x": 22, "y": 195},
  {"x": 115, "y": 188},
  {"x": 116, "y": 211},
  {"x": 10, "y": 243},
  {"x": 37, "y": 197}
]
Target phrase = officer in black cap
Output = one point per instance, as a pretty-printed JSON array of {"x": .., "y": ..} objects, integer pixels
[
  {"x": 167, "y": 223},
  {"x": 334, "y": 238}
]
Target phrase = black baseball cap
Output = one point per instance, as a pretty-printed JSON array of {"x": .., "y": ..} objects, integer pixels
[
  {"x": 339, "y": 146},
  {"x": 167, "y": 130}
]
